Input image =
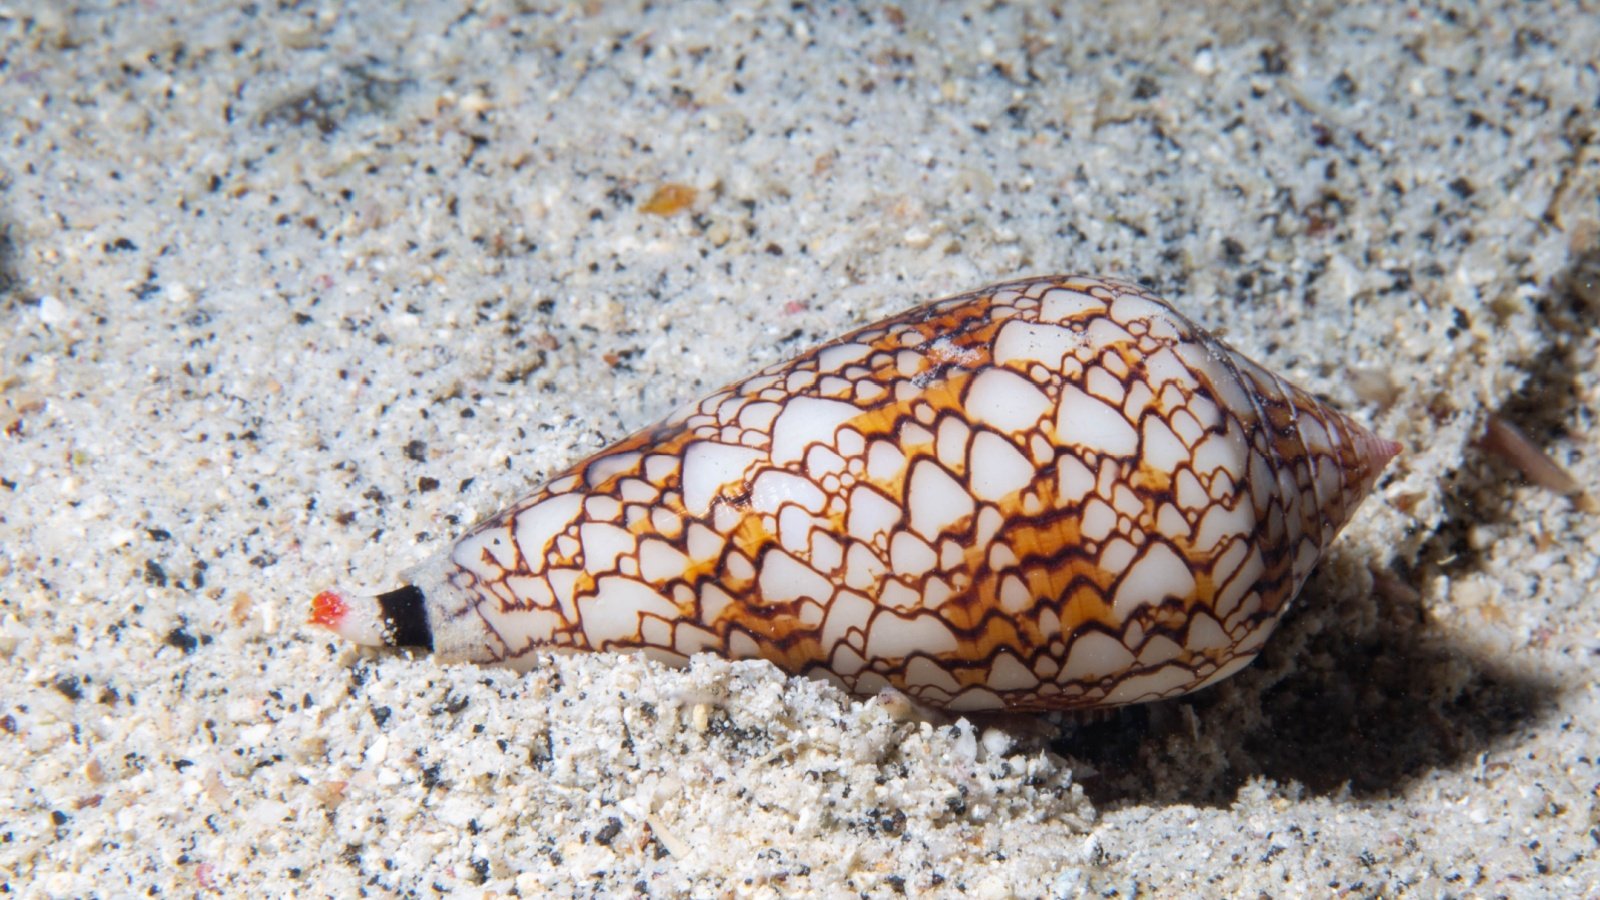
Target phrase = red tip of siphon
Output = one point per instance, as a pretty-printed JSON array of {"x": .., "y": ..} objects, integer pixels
[{"x": 328, "y": 609}]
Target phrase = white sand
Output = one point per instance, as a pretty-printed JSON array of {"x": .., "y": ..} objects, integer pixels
[{"x": 291, "y": 296}]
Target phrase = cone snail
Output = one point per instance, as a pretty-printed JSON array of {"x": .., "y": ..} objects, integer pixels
[{"x": 1053, "y": 493}]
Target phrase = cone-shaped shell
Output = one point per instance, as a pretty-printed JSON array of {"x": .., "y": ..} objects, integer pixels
[{"x": 1055, "y": 493}]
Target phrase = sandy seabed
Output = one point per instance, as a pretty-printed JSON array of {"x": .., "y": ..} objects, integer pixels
[{"x": 293, "y": 294}]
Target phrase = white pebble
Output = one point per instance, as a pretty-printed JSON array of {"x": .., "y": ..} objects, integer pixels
[
  {"x": 52, "y": 311},
  {"x": 965, "y": 746},
  {"x": 996, "y": 742}
]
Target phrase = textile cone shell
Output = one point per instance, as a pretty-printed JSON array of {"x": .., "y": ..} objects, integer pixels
[{"x": 1054, "y": 493}]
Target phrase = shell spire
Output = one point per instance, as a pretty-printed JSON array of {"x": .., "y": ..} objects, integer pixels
[{"x": 1054, "y": 493}]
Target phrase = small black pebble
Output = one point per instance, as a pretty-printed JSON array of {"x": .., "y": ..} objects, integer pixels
[
  {"x": 70, "y": 688},
  {"x": 608, "y": 832},
  {"x": 181, "y": 639}
]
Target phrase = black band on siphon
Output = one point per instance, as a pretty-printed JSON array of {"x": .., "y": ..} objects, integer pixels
[{"x": 405, "y": 620}]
